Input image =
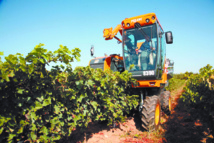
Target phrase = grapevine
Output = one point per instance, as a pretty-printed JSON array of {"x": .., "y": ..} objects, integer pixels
[{"x": 40, "y": 105}]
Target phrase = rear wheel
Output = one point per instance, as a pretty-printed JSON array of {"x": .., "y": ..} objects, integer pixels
[
  {"x": 150, "y": 114},
  {"x": 167, "y": 102}
]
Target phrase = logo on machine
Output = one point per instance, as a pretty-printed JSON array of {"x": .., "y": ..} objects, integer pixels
[
  {"x": 148, "y": 73},
  {"x": 136, "y": 20}
]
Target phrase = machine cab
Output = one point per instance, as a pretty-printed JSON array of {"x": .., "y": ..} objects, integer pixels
[{"x": 144, "y": 47}]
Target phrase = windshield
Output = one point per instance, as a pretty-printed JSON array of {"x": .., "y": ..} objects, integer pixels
[{"x": 140, "y": 48}]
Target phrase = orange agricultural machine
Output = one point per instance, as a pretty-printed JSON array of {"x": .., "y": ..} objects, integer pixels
[{"x": 144, "y": 55}]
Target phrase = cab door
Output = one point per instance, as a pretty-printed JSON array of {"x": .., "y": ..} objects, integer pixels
[{"x": 161, "y": 52}]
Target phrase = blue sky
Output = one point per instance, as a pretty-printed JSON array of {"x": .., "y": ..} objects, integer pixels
[{"x": 26, "y": 23}]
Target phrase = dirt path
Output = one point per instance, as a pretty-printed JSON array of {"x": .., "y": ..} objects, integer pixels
[
  {"x": 180, "y": 127},
  {"x": 176, "y": 128}
]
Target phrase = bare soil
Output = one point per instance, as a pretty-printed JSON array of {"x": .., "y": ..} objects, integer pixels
[{"x": 176, "y": 128}]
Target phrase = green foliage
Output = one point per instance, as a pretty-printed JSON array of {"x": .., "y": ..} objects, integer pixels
[
  {"x": 175, "y": 83},
  {"x": 29, "y": 95},
  {"x": 199, "y": 96},
  {"x": 185, "y": 75},
  {"x": 38, "y": 105},
  {"x": 101, "y": 95}
]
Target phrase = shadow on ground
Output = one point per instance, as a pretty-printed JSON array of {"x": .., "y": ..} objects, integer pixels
[
  {"x": 182, "y": 128},
  {"x": 138, "y": 122},
  {"x": 80, "y": 135}
]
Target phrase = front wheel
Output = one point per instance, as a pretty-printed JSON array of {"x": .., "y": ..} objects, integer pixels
[{"x": 150, "y": 113}]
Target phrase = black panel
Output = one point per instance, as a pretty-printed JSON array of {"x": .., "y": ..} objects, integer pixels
[
  {"x": 95, "y": 66},
  {"x": 139, "y": 75},
  {"x": 97, "y": 63}
]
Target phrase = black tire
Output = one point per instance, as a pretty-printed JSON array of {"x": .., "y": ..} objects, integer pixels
[
  {"x": 166, "y": 102},
  {"x": 150, "y": 113}
]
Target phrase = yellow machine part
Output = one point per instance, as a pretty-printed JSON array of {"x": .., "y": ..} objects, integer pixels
[
  {"x": 154, "y": 83},
  {"x": 151, "y": 83},
  {"x": 146, "y": 19}
]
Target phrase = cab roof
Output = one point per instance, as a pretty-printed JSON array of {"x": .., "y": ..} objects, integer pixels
[{"x": 143, "y": 20}]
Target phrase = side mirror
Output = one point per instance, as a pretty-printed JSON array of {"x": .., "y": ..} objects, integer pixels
[
  {"x": 169, "y": 37},
  {"x": 92, "y": 50}
]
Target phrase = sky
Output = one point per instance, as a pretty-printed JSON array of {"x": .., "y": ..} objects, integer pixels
[{"x": 80, "y": 23}]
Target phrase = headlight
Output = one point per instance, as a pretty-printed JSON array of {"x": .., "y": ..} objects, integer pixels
[
  {"x": 147, "y": 20},
  {"x": 128, "y": 24}
]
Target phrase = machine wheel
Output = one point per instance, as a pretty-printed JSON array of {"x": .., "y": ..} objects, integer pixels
[
  {"x": 150, "y": 113},
  {"x": 166, "y": 102}
]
